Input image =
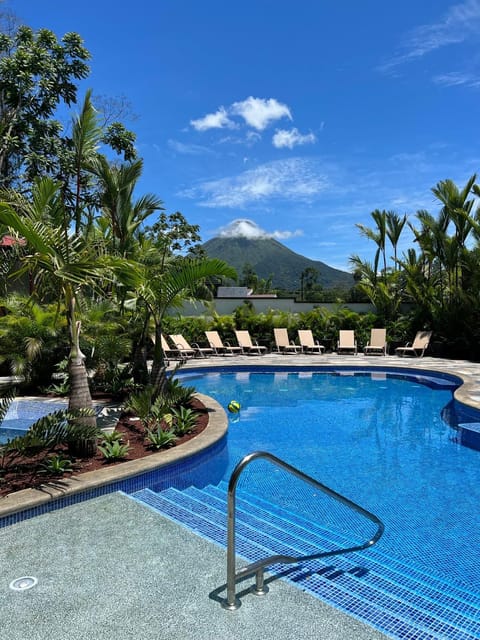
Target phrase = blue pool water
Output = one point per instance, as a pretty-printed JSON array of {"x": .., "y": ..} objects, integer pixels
[
  {"x": 22, "y": 413},
  {"x": 379, "y": 440},
  {"x": 387, "y": 442}
]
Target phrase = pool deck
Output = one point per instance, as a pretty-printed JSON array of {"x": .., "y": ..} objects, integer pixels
[{"x": 98, "y": 578}]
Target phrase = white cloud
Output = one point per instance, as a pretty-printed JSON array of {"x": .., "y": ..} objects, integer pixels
[
  {"x": 297, "y": 179},
  {"x": 188, "y": 149},
  {"x": 458, "y": 24},
  {"x": 456, "y": 79},
  {"x": 217, "y": 120},
  {"x": 245, "y": 228},
  {"x": 259, "y": 113},
  {"x": 291, "y": 138},
  {"x": 285, "y": 235}
]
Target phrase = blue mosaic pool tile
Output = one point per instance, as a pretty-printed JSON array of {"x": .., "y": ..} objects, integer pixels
[{"x": 388, "y": 595}]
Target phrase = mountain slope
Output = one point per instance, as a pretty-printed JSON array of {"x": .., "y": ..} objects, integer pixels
[{"x": 268, "y": 256}]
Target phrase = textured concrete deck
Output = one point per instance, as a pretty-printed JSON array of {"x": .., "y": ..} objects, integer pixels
[{"x": 110, "y": 568}]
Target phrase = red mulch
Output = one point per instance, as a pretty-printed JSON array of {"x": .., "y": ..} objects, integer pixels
[{"x": 25, "y": 474}]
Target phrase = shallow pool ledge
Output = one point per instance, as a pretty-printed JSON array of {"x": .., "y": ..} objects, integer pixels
[{"x": 28, "y": 498}]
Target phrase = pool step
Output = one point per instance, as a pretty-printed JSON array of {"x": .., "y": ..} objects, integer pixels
[{"x": 369, "y": 585}]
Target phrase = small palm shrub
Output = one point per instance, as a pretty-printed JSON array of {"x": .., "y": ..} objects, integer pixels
[
  {"x": 147, "y": 407},
  {"x": 177, "y": 393}
]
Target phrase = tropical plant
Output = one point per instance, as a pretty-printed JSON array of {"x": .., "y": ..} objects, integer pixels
[
  {"x": 147, "y": 406},
  {"x": 177, "y": 393},
  {"x": 113, "y": 436},
  {"x": 159, "y": 438},
  {"x": 56, "y": 465},
  {"x": 112, "y": 451},
  {"x": 6, "y": 398},
  {"x": 160, "y": 290},
  {"x": 59, "y": 257},
  {"x": 185, "y": 420}
]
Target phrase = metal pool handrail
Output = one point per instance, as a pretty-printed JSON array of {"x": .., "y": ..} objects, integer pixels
[{"x": 232, "y": 602}]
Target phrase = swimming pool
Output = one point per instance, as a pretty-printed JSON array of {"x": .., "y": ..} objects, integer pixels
[
  {"x": 386, "y": 440},
  {"x": 23, "y": 412}
]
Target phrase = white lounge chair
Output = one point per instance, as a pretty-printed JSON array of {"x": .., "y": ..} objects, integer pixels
[
  {"x": 175, "y": 353},
  {"x": 248, "y": 346},
  {"x": 419, "y": 346},
  {"x": 283, "y": 343},
  {"x": 219, "y": 347},
  {"x": 377, "y": 345},
  {"x": 347, "y": 342},
  {"x": 185, "y": 347},
  {"x": 307, "y": 342}
]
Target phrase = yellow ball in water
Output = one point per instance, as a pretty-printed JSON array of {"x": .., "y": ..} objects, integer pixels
[{"x": 234, "y": 406}]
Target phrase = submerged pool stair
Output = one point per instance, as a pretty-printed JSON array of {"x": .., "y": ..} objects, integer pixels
[{"x": 385, "y": 592}]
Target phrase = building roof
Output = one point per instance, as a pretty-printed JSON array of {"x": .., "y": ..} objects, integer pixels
[{"x": 10, "y": 241}]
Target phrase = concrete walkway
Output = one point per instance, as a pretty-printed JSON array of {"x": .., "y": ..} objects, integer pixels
[{"x": 111, "y": 569}]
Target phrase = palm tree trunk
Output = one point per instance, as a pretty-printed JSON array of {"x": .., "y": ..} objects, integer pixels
[
  {"x": 158, "y": 378},
  {"x": 80, "y": 396}
]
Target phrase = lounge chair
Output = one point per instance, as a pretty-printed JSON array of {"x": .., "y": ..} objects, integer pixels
[
  {"x": 219, "y": 347},
  {"x": 307, "y": 342},
  {"x": 377, "y": 345},
  {"x": 245, "y": 341},
  {"x": 283, "y": 343},
  {"x": 174, "y": 352},
  {"x": 347, "y": 342},
  {"x": 185, "y": 347},
  {"x": 419, "y": 346}
]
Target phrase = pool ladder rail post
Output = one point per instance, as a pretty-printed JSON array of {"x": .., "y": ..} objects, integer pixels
[{"x": 231, "y": 602}]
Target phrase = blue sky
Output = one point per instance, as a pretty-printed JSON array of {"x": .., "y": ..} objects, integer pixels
[{"x": 302, "y": 117}]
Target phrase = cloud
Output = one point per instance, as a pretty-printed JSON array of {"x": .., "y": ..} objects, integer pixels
[
  {"x": 245, "y": 228},
  {"x": 291, "y": 138},
  {"x": 188, "y": 149},
  {"x": 297, "y": 179},
  {"x": 217, "y": 120},
  {"x": 458, "y": 24},
  {"x": 259, "y": 113},
  {"x": 248, "y": 140},
  {"x": 456, "y": 79}
]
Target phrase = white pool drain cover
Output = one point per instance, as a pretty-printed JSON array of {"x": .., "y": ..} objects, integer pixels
[{"x": 22, "y": 584}]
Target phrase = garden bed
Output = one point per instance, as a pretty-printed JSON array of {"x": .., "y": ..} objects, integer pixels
[{"x": 28, "y": 473}]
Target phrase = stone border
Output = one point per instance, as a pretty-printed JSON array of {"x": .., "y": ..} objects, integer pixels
[{"x": 28, "y": 498}]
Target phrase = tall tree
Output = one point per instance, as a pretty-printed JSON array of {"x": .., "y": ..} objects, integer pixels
[
  {"x": 121, "y": 216},
  {"x": 378, "y": 235},
  {"x": 37, "y": 74},
  {"x": 394, "y": 228}
]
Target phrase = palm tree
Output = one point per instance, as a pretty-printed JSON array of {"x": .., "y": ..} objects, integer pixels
[
  {"x": 394, "y": 228},
  {"x": 56, "y": 256},
  {"x": 159, "y": 290},
  {"x": 378, "y": 236},
  {"x": 121, "y": 217}
]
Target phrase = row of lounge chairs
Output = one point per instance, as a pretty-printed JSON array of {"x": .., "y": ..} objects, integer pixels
[{"x": 179, "y": 348}]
